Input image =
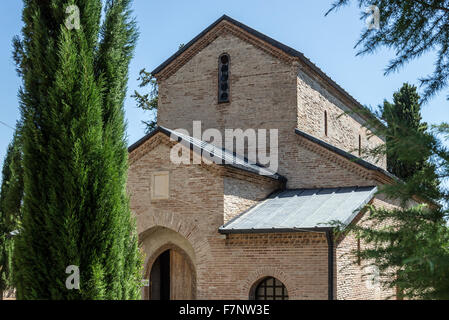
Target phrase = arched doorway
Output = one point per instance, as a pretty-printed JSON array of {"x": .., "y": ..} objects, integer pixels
[{"x": 172, "y": 276}]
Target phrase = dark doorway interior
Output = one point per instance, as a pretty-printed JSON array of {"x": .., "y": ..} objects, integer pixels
[{"x": 160, "y": 278}]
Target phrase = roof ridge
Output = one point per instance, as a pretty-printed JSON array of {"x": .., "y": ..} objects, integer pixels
[{"x": 275, "y": 43}]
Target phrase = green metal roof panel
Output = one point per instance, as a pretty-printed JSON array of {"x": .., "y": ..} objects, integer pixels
[{"x": 302, "y": 209}]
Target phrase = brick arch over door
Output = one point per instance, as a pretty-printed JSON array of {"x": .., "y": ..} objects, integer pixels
[
  {"x": 263, "y": 272},
  {"x": 187, "y": 230}
]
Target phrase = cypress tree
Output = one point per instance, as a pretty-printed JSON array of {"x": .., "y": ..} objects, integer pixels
[
  {"x": 11, "y": 194},
  {"x": 75, "y": 207},
  {"x": 119, "y": 36},
  {"x": 403, "y": 114},
  {"x": 403, "y": 118}
]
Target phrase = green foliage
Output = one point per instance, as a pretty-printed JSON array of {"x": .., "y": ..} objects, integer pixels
[
  {"x": 404, "y": 114},
  {"x": 406, "y": 110},
  {"x": 410, "y": 244},
  {"x": 10, "y": 203},
  {"x": 411, "y": 28},
  {"x": 147, "y": 101},
  {"x": 411, "y": 250},
  {"x": 75, "y": 207}
]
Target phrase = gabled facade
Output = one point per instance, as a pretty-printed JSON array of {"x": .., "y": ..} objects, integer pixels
[{"x": 231, "y": 228}]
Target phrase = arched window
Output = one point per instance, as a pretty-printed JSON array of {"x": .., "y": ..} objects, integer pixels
[
  {"x": 270, "y": 288},
  {"x": 223, "y": 78}
]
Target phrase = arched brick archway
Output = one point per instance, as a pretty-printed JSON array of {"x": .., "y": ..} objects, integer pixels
[
  {"x": 256, "y": 276},
  {"x": 200, "y": 251},
  {"x": 185, "y": 228}
]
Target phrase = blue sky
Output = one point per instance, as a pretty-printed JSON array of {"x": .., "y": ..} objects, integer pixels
[{"x": 326, "y": 41}]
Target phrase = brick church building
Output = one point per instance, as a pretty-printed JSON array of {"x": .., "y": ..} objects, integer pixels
[{"x": 234, "y": 228}]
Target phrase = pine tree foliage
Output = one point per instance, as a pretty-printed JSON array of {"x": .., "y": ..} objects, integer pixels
[
  {"x": 411, "y": 28},
  {"x": 406, "y": 107},
  {"x": 409, "y": 244},
  {"x": 75, "y": 207}
]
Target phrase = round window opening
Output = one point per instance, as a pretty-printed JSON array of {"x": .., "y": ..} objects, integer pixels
[{"x": 269, "y": 288}]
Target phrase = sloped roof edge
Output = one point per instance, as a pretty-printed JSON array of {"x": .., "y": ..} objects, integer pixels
[
  {"x": 346, "y": 154},
  {"x": 139, "y": 142},
  {"x": 289, "y": 50},
  {"x": 225, "y": 155}
]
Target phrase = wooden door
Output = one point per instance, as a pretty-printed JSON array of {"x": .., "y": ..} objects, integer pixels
[{"x": 181, "y": 277}]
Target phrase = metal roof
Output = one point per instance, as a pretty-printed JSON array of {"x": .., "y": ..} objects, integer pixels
[
  {"x": 211, "y": 153},
  {"x": 302, "y": 209}
]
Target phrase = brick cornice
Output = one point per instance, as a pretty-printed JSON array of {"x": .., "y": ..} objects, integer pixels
[
  {"x": 218, "y": 170},
  {"x": 297, "y": 239},
  {"x": 146, "y": 147},
  {"x": 159, "y": 138},
  {"x": 334, "y": 158}
]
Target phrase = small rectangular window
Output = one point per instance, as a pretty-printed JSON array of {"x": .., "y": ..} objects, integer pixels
[
  {"x": 325, "y": 123},
  {"x": 360, "y": 145},
  {"x": 160, "y": 185}
]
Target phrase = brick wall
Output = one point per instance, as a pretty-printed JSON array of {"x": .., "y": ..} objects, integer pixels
[
  {"x": 266, "y": 93},
  {"x": 262, "y": 93},
  {"x": 355, "y": 277},
  {"x": 344, "y": 126},
  {"x": 226, "y": 268},
  {"x": 201, "y": 199},
  {"x": 299, "y": 260},
  {"x": 242, "y": 194},
  {"x": 308, "y": 165},
  {"x": 195, "y": 192}
]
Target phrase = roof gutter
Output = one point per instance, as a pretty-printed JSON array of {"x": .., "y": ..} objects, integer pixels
[
  {"x": 274, "y": 230},
  {"x": 330, "y": 264}
]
